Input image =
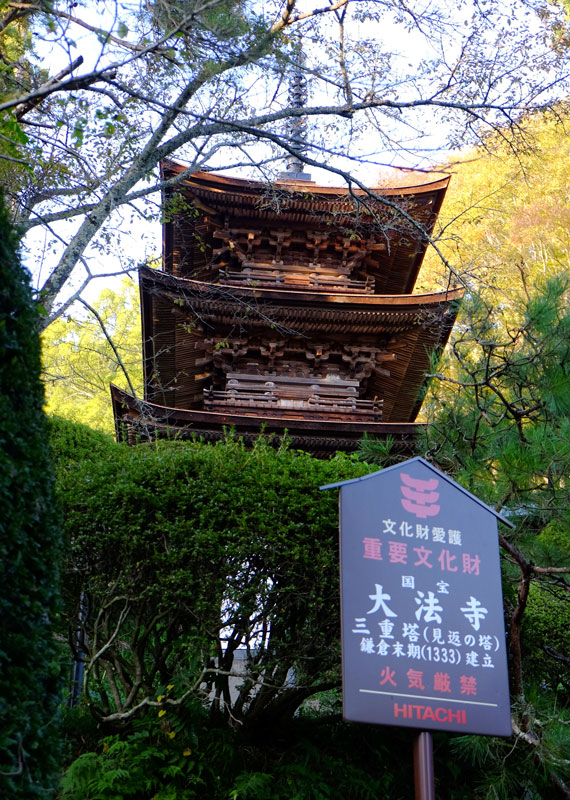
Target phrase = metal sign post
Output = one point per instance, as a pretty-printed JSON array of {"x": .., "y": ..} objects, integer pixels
[{"x": 423, "y": 640}]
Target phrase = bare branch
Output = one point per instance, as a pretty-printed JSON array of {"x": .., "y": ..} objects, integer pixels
[
  {"x": 287, "y": 18},
  {"x": 34, "y": 102},
  {"x": 33, "y": 99},
  {"x": 109, "y": 338}
]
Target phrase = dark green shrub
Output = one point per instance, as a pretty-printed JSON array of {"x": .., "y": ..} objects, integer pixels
[
  {"x": 183, "y": 756},
  {"x": 546, "y": 631},
  {"x": 29, "y": 546}
]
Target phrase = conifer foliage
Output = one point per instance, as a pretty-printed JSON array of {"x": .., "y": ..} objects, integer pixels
[{"x": 29, "y": 545}]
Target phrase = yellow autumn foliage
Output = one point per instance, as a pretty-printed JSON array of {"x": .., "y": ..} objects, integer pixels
[
  {"x": 505, "y": 222},
  {"x": 79, "y": 362}
]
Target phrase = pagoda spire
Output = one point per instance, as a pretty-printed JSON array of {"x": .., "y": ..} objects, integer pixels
[{"x": 297, "y": 125}]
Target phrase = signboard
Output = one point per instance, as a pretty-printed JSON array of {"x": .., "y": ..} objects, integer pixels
[{"x": 422, "y": 611}]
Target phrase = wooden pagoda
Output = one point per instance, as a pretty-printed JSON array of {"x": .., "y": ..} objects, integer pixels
[{"x": 287, "y": 306}]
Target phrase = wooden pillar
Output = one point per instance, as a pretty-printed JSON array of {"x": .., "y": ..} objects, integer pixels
[{"x": 423, "y": 767}]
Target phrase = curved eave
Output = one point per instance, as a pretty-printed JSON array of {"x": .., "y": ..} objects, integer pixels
[
  {"x": 218, "y": 183},
  {"x": 153, "y": 414},
  {"x": 354, "y": 302},
  {"x": 219, "y": 195}
]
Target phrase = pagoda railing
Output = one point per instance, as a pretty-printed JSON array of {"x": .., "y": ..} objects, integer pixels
[
  {"x": 301, "y": 397},
  {"x": 274, "y": 278}
]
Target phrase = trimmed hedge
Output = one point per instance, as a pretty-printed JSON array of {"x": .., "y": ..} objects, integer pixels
[{"x": 173, "y": 536}]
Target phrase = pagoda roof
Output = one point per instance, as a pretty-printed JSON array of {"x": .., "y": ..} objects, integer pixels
[
  {"x": 287, "y": 307},
  {"x": 421, "y": 324},
  {"x": 399, "y": 218},
  {"x": 142, "y": 420},
  {"x": 300, "y": 191},
  {"x": 306, "y": 301}
]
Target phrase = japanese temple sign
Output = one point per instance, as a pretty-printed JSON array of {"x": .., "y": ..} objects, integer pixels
[{"x": 423, "y": 635}]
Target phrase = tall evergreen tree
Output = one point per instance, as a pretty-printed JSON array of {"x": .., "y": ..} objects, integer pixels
[{"x": 29, "y": 545}]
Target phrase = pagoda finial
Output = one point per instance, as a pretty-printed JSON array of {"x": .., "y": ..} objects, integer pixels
[{"x": 297, "y": 125}]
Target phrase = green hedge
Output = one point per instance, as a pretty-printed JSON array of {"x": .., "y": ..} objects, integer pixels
[{"x": 208, "y": 541}]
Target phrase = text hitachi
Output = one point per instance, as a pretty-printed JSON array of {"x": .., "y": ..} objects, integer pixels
[{"x": 409, "y": 711}]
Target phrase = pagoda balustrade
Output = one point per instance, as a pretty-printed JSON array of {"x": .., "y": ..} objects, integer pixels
[
  {"x": 295, "y": 277},
  {"x": 300, "y": 396}
]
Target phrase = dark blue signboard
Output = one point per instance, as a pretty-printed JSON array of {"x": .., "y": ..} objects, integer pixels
[{"x": 422, "y": 612}]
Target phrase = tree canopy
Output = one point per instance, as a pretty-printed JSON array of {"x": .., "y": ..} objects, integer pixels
[
  {"x": 505, "y": 216},
  {"x": 206, "y": 83}
]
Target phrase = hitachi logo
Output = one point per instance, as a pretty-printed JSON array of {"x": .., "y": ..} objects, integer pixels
[{"x": 409, "y": 711}]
